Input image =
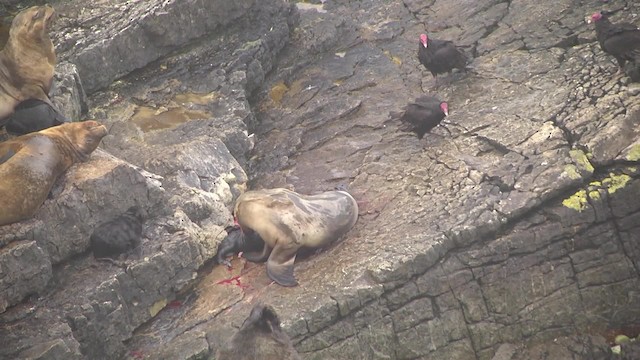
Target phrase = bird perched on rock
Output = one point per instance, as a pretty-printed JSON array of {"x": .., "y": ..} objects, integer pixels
[
  {"x": 118, "y": 235},
  {"x": 422, "y": 115},
  {"x": 440, "y": 56},
  {"x": 622, "y": 40}
]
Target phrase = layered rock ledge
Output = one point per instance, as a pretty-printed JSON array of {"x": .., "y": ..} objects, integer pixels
[{"x": 513, "y": 224}]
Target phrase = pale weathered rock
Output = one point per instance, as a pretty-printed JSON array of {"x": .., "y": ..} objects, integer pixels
[
  {"x": 24, "y": 269},
  {"x": 67, "y": 93},
  {"x": 128, "y": 36}
]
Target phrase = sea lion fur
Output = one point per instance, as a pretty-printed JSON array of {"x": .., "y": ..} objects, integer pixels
[
  {"x": 259, "y": 337},
  {"x": 30, "y": 165},
  {"x": 287, "y": 221},
  {"x": 27, "y": 60}
]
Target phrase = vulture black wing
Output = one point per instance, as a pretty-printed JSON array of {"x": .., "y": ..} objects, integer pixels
[
  {"x": 622, "y": 40},
  {"x": 422, "y": 115}
]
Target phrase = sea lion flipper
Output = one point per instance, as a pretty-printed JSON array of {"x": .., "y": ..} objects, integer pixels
[
  {"x": 6, "y": 155},
  {"x": 280, "y": 266}
]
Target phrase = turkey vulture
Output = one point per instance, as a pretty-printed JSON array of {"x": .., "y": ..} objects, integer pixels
[
  {"x": 440, "y": 56},
  {"x": 632, "y": 69},
  {"x": 425, "y": 113},
  {"x": 622, "y": 40}
]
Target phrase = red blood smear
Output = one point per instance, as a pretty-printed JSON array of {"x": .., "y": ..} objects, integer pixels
[
  {"x": 136, "y": 354},
  {"x": 174, "y": 304},
  {"x": 233, "y": 281}
]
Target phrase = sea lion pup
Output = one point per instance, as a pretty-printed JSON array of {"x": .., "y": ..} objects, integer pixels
[
  {"x": 32, "y": 115},
  {"x": 287, "y": 221},
  {"x": 260, "y": 338},
  {"x": 236, "y": 242},
  {"x": 30, "y": 165},
  {"x": 118, "y": 235},
  {"x": 27, "y": 60}
]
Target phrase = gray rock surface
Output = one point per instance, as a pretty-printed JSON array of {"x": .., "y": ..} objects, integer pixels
[
  {"x": 186, "y": 188},
  {"x": 67, "y": 92},
  {"x": 511, "y": 232},
  {"x": 119, "y": 36}
]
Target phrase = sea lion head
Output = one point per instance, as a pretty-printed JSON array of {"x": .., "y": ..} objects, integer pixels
[
  {"x": 81, "y": 137},
  {"x": 32, "y": 23},
  {"x": 136, "y": 212},
  {"x": 260, "y": 336}
]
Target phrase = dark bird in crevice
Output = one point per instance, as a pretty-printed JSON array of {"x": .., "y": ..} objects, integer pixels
[
  {"x": 422, "y": 115},
  {"x": 118, "y": 235},
  {"x": 440, "y": 56},
  {"x": 622, "y": 40}
]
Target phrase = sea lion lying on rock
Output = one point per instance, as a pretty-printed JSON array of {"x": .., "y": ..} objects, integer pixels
[
  {"x": 286, "y": 221},
  {"x": 118, "y": 235},
  {"x": 260, "y": 337},
  {"x": 30, "y": 165},
  {"x": 27, "y": 61},
  {"x": 32, "y": 115}
]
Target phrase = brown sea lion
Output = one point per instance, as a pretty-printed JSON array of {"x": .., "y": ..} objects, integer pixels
[
  {"x": 30, "y": 164},
  {"x": 287, "y": 221},
  {"x": 27, "y": 60},
  {"x": 260, "y": 337}
]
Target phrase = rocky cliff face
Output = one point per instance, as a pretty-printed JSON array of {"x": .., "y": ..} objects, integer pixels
[{"x": 512, "y": 224}]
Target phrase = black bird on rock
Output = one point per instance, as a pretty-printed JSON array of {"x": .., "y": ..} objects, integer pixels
[
  {"x": 425, "y": 113},
  {"x": 632, "y": 69},
  {"x": 440, "y": 56},
  {"x": 118, "y": 235},
  {"x": 622, "y": 40}
]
